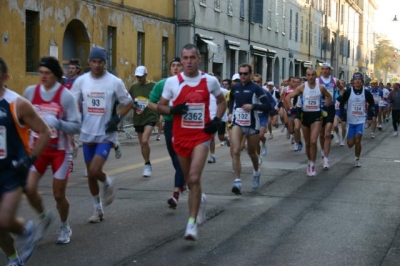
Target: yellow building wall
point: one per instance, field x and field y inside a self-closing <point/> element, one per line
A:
<point x="96" y="16"/>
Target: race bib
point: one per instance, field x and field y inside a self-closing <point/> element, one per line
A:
<point x="357" y="108"/>
<point x="337" y="105"/>
<point x="242" y="117"/>
<point x="141" y="103"/>
<point x="3" y="142"/>
<point x="377" y="98"/>
<point x="382" y="103"/>
<point x="47" y="109"/>
<point x="311" y="103"/>
<point x="330" y="90"/>
<point x="96" y="102"/>
<point x="194" y="118"/>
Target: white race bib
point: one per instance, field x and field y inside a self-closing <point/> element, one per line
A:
<point x="312" y="103"/>
<point x="337" y="105"/>
<point x="242" y="117"/>
<point x="96" y="102"/>
<point x="377" y="98"/>
<point x="357" y="108"/>
<point x="141" y="105"/>
<point x="3" y="142"/>
<point x="194" y="118"/>
<point x="46" y="109"/>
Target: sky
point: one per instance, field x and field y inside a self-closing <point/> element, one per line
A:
<point x="383" y="20"/>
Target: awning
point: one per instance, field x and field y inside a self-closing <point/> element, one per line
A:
<point x="307" y="63"/>
<point x="298" y="60"/>
<point x="212" y="46"/>
<point x="256" y="50"/>
<point x="233" y="47"/>
<point x="271" y="51"/>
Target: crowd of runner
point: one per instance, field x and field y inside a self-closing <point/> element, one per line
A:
<point x="37" y="130"/>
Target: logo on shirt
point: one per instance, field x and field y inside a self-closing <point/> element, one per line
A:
<point x="3" y="113"/>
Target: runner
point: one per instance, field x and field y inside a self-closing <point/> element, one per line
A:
<point x="339" y="92"/>
<point x="144" y="119"/>
<point x="17" y="117"/>
<point x="273" y="114"/>
<point x="377" y="95"/>
<point x="99" y="90"/>
<point x="394" y="100"/>
<point x="56" y="105"/>
<point x="155" y="95"/>
<point x="246" y="99"/>
<point x="357" y="98"/>
<point x="311" y="114"/>
<point x="189" y="92"/>
<point x="263" y="117"/>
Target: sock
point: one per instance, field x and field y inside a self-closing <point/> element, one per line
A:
<point x="147" y="163"/>
<point x="238" y="179"/>
<point x="212" y="154"/>
<point x="322" y="153"/>
<point x="312" y="164"/>
<point x="64" y="224"/>
<point x="96" y="200"/>
<point x="192" y="220"/>
<point x="98" y="206"/>
<point x="13" y="256"/>
<point x="255" y="173"/>
<point x="107" y="182"/>
<point x="176" y="195"/>
<point x="357" y="158"/>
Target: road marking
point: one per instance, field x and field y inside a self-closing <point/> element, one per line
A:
<point x="135" y="166"/>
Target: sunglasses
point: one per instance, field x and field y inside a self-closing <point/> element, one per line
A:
<point x="243" y="73"/>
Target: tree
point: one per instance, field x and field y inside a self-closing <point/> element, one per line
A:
<point x="385" y="57"/>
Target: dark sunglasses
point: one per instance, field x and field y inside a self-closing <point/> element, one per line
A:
<point x="243" y="73"/>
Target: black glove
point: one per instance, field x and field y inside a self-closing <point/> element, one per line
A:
<point x="212" y="126"/>
<point x="179" y="109"/>
<point x="343" y="116"/>
<point x="24" y="164"/>
<point x="324" y="108"/>
<point x="372" y="111"/>
<point x="292" y="111"/>
<point x="280" y="104"/>
<point x="112" y="125"/>
<point x="135" y="105"/>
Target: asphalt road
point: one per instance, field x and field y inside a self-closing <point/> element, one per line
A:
<point x="344" y="216"/>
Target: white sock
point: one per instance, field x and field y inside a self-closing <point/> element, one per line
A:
<point x="107" y="182"/>
<point x="96" y="199"/>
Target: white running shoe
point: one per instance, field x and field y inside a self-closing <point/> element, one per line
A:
<point x="395" y="134"/>
<point x="260" y="159"/>
<point x="15" y="262"/>
<point x="357" y="163"/>
<point x="295" y="146"/>
<point x="42" y="229"/>
<point x="147" y="170"/>
<point x="264" y="149"/>
<point x="201" y="215"/>
<point x="97" y="216"/>
<point x="287" y="135"/>
<point x="118" y="151"/>
<point x="325" y="164"/>
<point x="211" y="159"/>
<point x="372" y="135"/>
<point x="342" y="142"/>
<point x="270" y="136"/>
<point x="191" y="232"/>
<point x="256" y="181"/>
<point x="338" y="139"/>
<point x="64" y="234"/>
<point x="283" y="129"/>
<point x="109" y="193"/>
<point x="28" y="243"/>
<point x="312" y="171"/>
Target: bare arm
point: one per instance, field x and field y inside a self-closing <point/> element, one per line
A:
<point x="29" y="117"/>
<point x="162" y="106"/>
<point x="328" y="96"/>
<point x="221" y="105"/>
<point x="298" y="91"/>
<point x="125" y="109"/>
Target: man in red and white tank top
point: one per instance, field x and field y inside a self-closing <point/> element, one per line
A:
<point x="58" y="108"/>
<point x="193" y="127"/>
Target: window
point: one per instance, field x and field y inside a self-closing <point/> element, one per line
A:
<point x="296" y="29"/>
<point x="269" y="18"/>
<point x="341" y="14"/>
<point x="307" y="30"/>
<point x="140" y="49"/>
<point x="301" y="29"/>
<point x="230" y="7"/>
<point x="32" y="39"/>
<point x="256" y="11"/>
<point x="283" y="16"/>
<point x="290" y="23"/>
<point x="164" y="60"/>
<point x="277" y="14"/>
<point x="241" y="14"/>
<point x="111" y="48"/>
<point x="217" y="5"/>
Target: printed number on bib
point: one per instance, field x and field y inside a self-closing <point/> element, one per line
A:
<point x="194" y="118"/>
<point x="3" y="142"/>
<point x="377" y="98"/>
<point x="311" y="103"/>
<point x="337" y="105"/>
<point x="47" y="109"/>
<point x="357" y="108"/>
<point x="242" y="117"/>
<point x="96" y="103"/>
<point x="141" y="105"/>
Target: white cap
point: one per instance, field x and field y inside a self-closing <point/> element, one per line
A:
<point x="140" y="71"/>
<point x="235" y="76"/>
<point x="270" y="83"/>
<point x="326" y="64"/>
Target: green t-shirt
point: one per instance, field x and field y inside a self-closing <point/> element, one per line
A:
<point x="155" y="96"/>
<point x="143" y="114"/>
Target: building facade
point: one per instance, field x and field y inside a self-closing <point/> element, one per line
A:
<point x="133" y="32"/>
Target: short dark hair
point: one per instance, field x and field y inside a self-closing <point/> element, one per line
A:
<point x="258" y="76"/>
<point x="248" y="66"/>
<point x="191" y="46"/>
<point x="227" y="80"/>
<point x="3" y="66"/>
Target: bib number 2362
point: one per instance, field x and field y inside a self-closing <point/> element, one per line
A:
<point x="194" y="118"/>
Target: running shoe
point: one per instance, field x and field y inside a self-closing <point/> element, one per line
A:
<point x="109" y="193"/>
<point x="211" y="159"/>
<point x="308" y="170"/>
<point x="97" y="216"/>
<point x="43" y="227"/>
<point x="332" y="135"/>
<point x="325" y="164"/>
<point x="201" y="215"/>
<point x="283" y="129"/>
<point x="372" y="135"/>
<point x="312" y="171"/>
<point x="270" y="136"/>
<point x="379" y="127"/>
<point x="64" y="234"/>
<point x="276" y="125"/>
<point x="338" y="139"/>
<point x="147" y="170"/>
<point x="395" y="134"/>
<point x="256" y="181"/>
<point x="118" y="151"/>
<point x="28" y="243"/>
<point x="173" y="201"/>
<point x="158" y="137"/>
<point x="287" y="135"/>
<point x="71" y="168"/>
<point x="237" y="186"/>
<point x="342" y="143"/>
<point x="228" y="143"/>
<point x="75" y="152"/>
<point x="263" y="149"/>
<point x="15" y="262"/>
<point x="299" y="146"/>
<point x="260" y="159"/>
<point x="357" y="163"/>
<point x="295" y="147"/>
<point x="191" y="232"/>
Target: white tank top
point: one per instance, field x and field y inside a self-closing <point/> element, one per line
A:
<point x="356" y="112"/>
<point x="311" y="98"/>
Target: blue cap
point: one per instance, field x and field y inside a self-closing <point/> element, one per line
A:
<point x="98" y="52"/>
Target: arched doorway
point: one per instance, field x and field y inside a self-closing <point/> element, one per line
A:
<point x="276" y="80"/>
<point x="291" y="68"/>
<point x="76" y="43"/>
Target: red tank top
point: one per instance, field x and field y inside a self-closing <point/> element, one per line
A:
<point x="52" y="107"/>
<point x="190" y="126"/>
